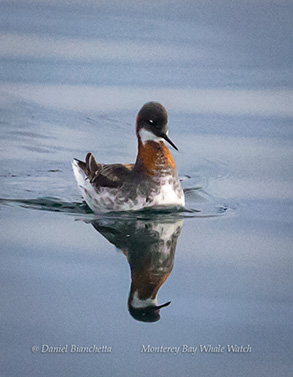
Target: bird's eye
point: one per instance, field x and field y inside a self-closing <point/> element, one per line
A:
<point x="154" y="123"/>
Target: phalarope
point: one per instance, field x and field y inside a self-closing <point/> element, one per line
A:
<point x="151" y="182"/>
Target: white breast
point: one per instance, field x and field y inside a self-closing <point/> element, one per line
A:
<point x="168" y="195"/>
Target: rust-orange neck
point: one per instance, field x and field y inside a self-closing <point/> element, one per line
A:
<point x="154" y="157"/>
<point x="146" y="284"/>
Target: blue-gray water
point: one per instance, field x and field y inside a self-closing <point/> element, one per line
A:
<point x="72" y="77"/>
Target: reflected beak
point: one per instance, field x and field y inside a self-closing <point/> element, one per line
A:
<point x="164" y="136"/>
<point x="162" y="306"/>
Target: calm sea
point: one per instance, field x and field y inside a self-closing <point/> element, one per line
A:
<point x="73" y="75"/>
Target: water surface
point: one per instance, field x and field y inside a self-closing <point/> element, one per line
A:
<point x="73" y="77"/>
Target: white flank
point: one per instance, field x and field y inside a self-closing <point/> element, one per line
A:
<point x="87" y="190"/>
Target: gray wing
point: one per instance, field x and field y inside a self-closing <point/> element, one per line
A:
<point x="103" y="175"/>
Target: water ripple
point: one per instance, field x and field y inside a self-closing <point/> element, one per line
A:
<point x="53" y="204"/>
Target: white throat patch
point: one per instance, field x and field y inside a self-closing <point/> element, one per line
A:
<point x="146" y="135"/>
<point x="137" y="303"/>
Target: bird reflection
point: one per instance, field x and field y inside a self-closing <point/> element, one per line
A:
<point x="149" y="246"/>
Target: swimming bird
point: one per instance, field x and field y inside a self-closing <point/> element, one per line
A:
<point x="151" y="182"/>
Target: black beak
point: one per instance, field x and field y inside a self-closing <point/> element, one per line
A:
<point x="162" y="306"/>
<point x="164" y="136"/>
<point x="148" y="314"/>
